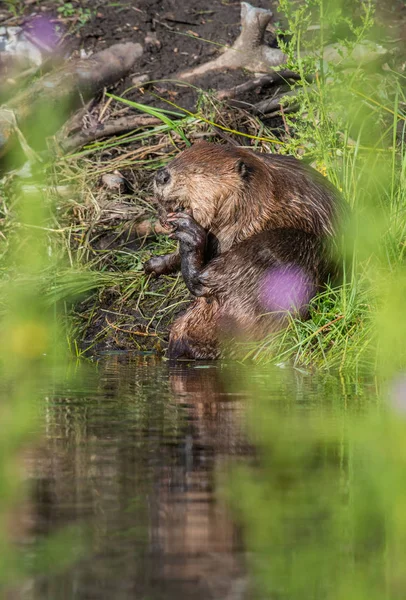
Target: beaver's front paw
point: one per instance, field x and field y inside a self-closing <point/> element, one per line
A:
<point x="190" y="234"/>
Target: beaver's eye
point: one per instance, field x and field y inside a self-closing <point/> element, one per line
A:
<point x="162" y="177"/>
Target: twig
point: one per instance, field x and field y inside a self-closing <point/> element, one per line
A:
<point x="101" y="130"/>
<point x="270" y="104"/>
<point x="288" y="109"/>
<point x="259" y="82"/>
<point x="103" y="110"/>
<point x="75" y="122"/>
<point x="284" y="121"/>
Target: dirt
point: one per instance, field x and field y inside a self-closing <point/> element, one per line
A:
<point x="176" y="35"/>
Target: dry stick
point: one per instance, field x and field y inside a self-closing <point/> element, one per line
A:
<point x="285" y="123"/>
<point x="258" y="82"/>
<point x="270" y="104"/>
<point x="119" y="126"/>
<point x="56" y="89"/>
<point x="283" y="110"/>
<point x="75" y="122"/>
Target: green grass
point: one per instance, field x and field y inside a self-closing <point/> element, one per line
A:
<point x="350" y="126"/>
<point x="338" y="334"/>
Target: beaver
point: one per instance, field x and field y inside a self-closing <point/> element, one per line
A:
<point x="254" y="232"/>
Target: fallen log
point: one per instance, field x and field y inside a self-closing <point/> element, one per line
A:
<point x="58" y="92"/>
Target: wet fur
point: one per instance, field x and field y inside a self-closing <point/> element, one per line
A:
<point x="258" y="211"/>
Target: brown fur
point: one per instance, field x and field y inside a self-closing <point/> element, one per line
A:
<point x="273" y="191"/>
<point x="259" y="211"/>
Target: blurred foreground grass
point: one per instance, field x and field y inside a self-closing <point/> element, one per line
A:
<point x="33" y="358"/>
<point x="322" y="506"/>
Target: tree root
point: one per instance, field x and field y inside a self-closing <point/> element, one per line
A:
<point x="248" y="51"/>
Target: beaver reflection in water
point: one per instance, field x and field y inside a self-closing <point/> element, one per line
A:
<point x="254" y="235"/>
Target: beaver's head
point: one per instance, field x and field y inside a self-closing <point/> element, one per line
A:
<point x="204" y="180"/>
<point x="235" y="193"/>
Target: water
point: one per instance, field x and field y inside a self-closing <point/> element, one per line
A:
<point x="157" y="481"/>
<point x="130" y="457"/>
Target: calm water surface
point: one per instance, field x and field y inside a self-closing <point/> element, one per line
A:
<point x="132" y="457"/>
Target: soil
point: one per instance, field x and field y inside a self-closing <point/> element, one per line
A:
<point x="176" y="35"/>
<point x="186" y="34"/>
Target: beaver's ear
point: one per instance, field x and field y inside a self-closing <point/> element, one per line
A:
<point x="243" y="169"/>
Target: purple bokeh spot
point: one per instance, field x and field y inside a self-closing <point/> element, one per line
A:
<point x="43" y="32"/>
<point x="398" y="394"/>
<point x="285" y="288"/>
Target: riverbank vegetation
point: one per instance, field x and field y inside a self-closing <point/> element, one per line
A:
<point x="346" y="118"/>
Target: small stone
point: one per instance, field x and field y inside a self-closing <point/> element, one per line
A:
<point x="139" y="79"/>
<point x="151" y="42"/>
<point x="114" y="181"/>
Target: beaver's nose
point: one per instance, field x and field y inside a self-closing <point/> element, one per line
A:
<point x="162" y="177"/>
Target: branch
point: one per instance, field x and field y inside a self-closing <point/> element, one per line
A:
<point x="258" y="82"/>
<point x="271" y="104"/>
<point x="101" y="130"/>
